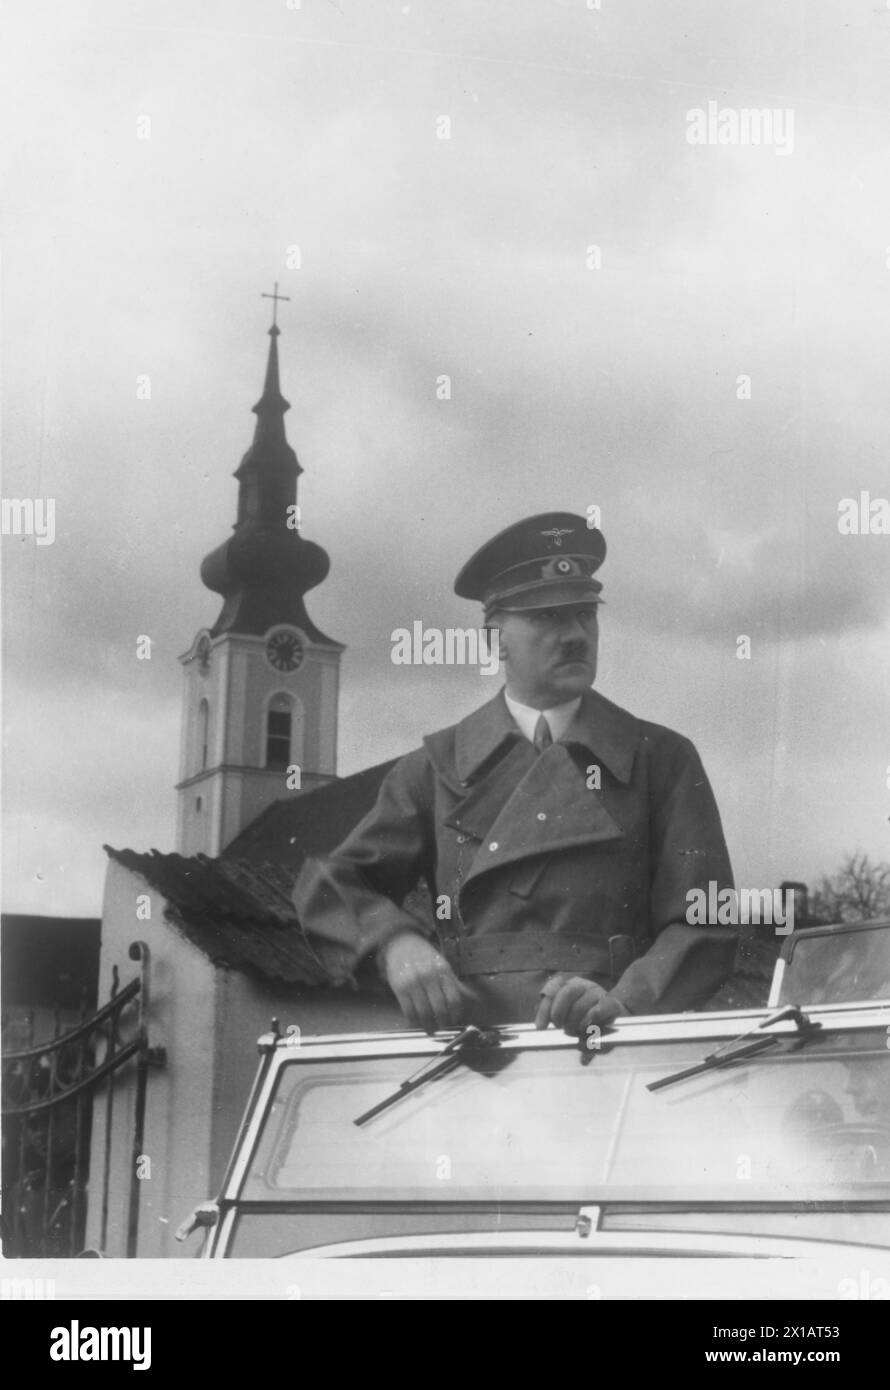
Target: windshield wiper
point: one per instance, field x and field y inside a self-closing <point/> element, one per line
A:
<point x="737" y="1048"/>
<point x="453" y="1054"/>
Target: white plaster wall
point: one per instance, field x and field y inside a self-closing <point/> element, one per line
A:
<point x="236" y="656"/>
<point x="208" y="1018"/>
<point x="329" y="713"/>
<point x="178" y="1119"/>
<point x="238" y="687"/>
<point x="197" y="831"/>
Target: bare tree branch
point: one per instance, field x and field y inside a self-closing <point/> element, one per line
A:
<point x="856" y="892"/>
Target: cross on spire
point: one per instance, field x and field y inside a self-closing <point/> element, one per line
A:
<point x="276" y="296"/>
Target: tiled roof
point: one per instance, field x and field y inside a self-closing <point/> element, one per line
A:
<point x="300" y="827"/>
<point x="236" y="915"/>
<point x="237" y="909"/>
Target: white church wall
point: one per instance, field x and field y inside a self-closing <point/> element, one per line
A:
<point x="207" y="1018"/>
<point x="232" y="656"/>
<point x="217" y="800"/>
<point x="328" y="708"/>
<point x="199" y="817"/>
<point x="179" y="1099"/>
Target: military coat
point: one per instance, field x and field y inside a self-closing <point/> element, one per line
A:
<point x="577" y="859"/>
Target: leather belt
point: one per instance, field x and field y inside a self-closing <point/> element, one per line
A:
<point x="498" y="953"/>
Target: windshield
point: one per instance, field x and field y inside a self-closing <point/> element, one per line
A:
<point x="786" y="1126"/>
<point x="831" y="966"/>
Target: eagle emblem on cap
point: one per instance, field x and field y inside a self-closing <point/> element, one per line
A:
<point x="557" y="534"/>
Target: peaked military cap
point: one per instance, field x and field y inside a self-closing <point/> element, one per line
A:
<point x="545" y="561"/>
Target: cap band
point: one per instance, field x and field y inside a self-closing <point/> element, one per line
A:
<point x="544" y="596"/>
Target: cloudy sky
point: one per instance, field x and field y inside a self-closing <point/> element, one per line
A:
<point x="273" y="124"/>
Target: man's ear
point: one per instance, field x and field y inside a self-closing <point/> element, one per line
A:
<point x="494" y="627"/>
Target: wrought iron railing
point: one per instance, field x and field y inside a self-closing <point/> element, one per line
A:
<point x="49" y="1100"/>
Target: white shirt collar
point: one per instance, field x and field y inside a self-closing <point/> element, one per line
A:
<point x="559" y="717"/>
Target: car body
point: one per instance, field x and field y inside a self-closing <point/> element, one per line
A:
<point x="529" y="1143"/>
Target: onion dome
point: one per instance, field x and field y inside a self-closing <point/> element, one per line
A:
<point x="266" y="567"/>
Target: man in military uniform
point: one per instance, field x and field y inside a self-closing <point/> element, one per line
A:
<point x="558" y="834"/>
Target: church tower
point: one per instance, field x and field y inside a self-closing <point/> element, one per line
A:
<point x="262" y="684"/>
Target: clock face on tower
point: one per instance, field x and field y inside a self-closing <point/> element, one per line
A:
<point x="284" y="649"/>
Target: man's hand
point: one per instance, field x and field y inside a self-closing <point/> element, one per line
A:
<point x="427" y="989"/>
<point x="602" y="1014"/>
<point x="572" y="1003"/>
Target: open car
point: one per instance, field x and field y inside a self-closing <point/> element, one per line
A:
<point x="758" y="1133"/>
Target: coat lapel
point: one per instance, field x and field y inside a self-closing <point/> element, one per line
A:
<point x="610" y="733"/>
<point x="462" y="753"/>
<point x="480" y="808"/>
<point x="525" y="804"/>
<point x="550" y="809"/>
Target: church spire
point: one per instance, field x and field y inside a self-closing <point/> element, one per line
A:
<point x="269" y="437"/>
<point x="271" y="407"/>
<point x="266" y="567"/>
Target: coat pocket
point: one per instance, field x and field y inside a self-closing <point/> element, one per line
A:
<point x="528" y="874"/>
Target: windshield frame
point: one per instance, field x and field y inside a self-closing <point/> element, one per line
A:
<point x="800" y="939"/>
<point x="703" y="1029"/>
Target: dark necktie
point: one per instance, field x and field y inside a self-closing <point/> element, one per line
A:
<point x="543" y="737"/>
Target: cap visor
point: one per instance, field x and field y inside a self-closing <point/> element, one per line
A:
<point x="552" y="596"/>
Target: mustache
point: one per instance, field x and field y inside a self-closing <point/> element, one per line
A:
<point x="574" y="651"/>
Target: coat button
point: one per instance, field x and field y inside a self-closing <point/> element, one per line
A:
<point x="462" y="839"/>
<point x="542" y="815"/>
<point x="493" y="846"/>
